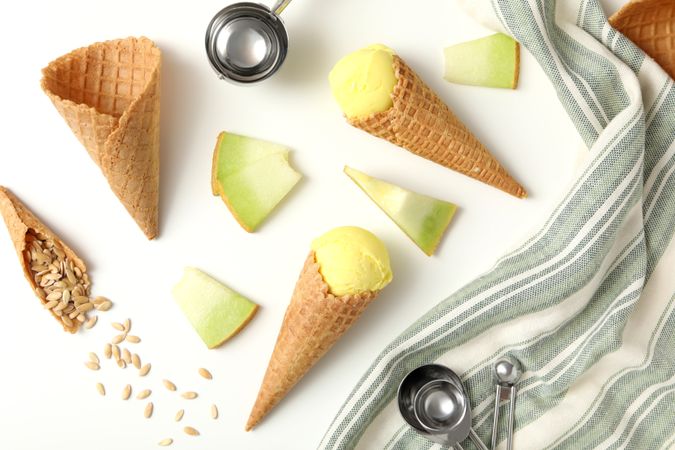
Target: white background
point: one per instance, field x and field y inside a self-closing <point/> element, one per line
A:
<point x="49" y="400"/>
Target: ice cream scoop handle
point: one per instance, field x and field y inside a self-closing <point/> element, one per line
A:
<point x="476" y="440"/>
<point x="279" y="6"/>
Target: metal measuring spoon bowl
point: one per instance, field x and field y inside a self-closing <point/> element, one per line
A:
<point x="247" y="42"/>
<point x="432" y="400"/>
<point x="506" y="372"/>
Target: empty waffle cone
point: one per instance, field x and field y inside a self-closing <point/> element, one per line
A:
<point x="19" y="221"/>
<point x="109" y="93"/>
<point x="650" y="24"/>
<point x="314" y="321"/>
<point x="421" y="123"/>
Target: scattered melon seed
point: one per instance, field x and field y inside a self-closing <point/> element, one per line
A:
<point x="214" y="412"/>
<point x="104" y="306"/>
<point x="100" y="388"/>
<point x="144" y="394"/>
<point x="127" y="325"/>
<point x="191" y="431"/>
<point x="133" y="339"/>
<point x="165" y="442"/>
<point x="92" y="365"/>
<point x="169" y="385"/>
<point x="115" y="351"/>
<point x="121" y="364"/>
<point x="189" y="395"/>
<point x="144" y="370"/>
<point x="117" y="339"/>
<point x="107" y="350"/>
<point x="179" y="415"/>
<point x="94" y="358"/>
<point x="205" y="373"/>
<point x="99" y="299"/>
<point x="91" y="322"/>
<point x="102" y="303"/>
<point x="126" y="355"/>
<point x="126" y="392"/>
<point x="148" y="410"/>
<point x="118" y="326"/>
<point x="136" y="361"/>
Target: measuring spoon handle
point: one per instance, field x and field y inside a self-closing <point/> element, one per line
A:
<point x="279" y="6"/>
<point x="476" y="440"/>
<point x="512" y="418"/>
<point x="495" y="418"/>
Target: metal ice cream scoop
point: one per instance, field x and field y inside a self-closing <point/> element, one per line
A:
<point x="247" y="42"/>
<point x="433" y="401"/>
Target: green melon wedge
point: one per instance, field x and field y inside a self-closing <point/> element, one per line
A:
<point x="215" y="311"/>
<point x="492" y="61"/>
<point x="424" y="219"/>
<point x="252" y="177"/>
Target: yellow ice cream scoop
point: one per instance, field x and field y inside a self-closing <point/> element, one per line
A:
<point x="363" y="81"/>
<point x="352" y="260"/>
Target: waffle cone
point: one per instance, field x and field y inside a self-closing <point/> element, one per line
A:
<point x="19" y="220"/>
<point x="314" y="321"/>
<point x="109" y="93"/>
<point x="421" y="123"/>
<point x="650" y="24"/>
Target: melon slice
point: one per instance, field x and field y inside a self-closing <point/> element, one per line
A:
<point x="424" y="219"/>
<point x="215" y="311"/>
<point x="492" y="61"/>
<point x="252" y="176"/>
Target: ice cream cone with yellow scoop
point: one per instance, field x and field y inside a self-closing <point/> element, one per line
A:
<point x="345" y="270"/>
<point x="379" y="93"/>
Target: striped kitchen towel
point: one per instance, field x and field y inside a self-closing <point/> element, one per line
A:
<point x="587" y="304"/>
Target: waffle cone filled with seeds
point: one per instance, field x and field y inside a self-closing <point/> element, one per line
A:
<point x="56" y="274"/>
<point x="109" y="95"/>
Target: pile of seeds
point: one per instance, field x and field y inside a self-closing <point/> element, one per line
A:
<point x="60" y="284"/>
<point x="124" y="358"/>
